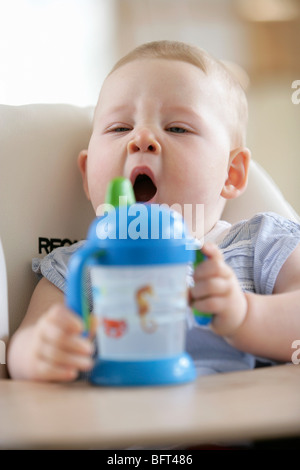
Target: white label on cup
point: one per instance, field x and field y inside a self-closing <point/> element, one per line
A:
<point x="141" y="310"/>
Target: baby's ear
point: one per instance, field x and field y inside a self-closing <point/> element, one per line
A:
<point x="237" y="176"/>
<point x="82" y="160"/>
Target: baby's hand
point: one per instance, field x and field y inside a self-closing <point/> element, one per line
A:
<point x="217" y="291"/>
<point x="57" y="350"/>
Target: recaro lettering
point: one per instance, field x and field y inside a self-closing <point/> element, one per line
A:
<point x="46" y="245"/>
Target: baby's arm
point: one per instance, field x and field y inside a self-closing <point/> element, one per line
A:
<point x="48" y="345"/>
<point x="264" y="325"/>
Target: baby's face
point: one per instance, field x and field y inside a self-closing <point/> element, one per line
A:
<point x="162" y="124"/>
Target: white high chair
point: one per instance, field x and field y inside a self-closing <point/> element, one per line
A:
<point x="42" y="203"/>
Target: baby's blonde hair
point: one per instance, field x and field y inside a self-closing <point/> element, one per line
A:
<point x="175" y="50"/>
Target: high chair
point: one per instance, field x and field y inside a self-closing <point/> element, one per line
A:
<point x="42" y="203"/>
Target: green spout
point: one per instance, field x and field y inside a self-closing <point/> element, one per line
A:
<point x="120" y="192"/>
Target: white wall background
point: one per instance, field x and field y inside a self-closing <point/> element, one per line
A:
<point x="54" y="50"/>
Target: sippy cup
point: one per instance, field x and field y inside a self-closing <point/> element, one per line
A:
<point x="137" y="256"/>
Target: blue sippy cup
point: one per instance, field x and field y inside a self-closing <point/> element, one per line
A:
<point x="138" y="256"/>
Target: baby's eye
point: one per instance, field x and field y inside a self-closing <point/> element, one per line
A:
<point x="177" y="129"/>
<point x="120" y="129"/>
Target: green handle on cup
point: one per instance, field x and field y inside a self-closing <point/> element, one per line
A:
<point x="200" y="317"/>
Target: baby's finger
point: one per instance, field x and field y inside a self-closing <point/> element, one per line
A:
<point x="211" y="250"/>
<point x="65" y="319"/>
<point x="213" y="286"/>
<point x="65" y="341"/>
<point x="212" y="267"/>
<point x="57" y="357"/>
<point x="46" y="371"/>
<point x="209" y="304"/>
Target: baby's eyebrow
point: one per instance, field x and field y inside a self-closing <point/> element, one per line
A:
<point x="173" y="111"/>
<point x="118" y="109"/>
<point x="184" y="112"/>
<point x="179" y="108"/>
<point x="111" y="113"/>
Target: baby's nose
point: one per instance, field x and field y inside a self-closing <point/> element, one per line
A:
<point x="144" y="141"/>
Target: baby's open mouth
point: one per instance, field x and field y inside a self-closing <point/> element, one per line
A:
<point x="144" y="188"/>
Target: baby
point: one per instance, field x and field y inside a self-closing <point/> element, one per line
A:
<point x="173" y="120"/>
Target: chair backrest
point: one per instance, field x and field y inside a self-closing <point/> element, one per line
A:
<point x="42" y="203"/>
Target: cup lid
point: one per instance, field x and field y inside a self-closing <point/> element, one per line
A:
<point x="139" y="233"/>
